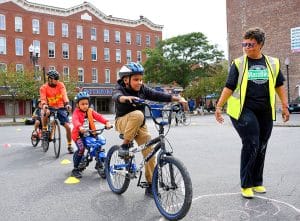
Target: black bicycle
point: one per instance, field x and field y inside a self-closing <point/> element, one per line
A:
<point x="53" y="134"/>
<point x="171" y="182"/>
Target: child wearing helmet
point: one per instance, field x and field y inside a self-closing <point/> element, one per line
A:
<point x="37" y="117"/>
<point x="130" y="119"/>
<point x="83" y="120"/>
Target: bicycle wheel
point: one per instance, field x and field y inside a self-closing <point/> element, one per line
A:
<point x="45" y="141"/>
<point x="172" y="188"/>
<point x="186" y="119"/>
<point x="55" y="138"/>
<point x="116" y="171"/>
<point x="34" y="138"/>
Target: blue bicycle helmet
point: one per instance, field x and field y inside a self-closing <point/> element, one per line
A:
<point x="131" y="69"/>
<point x="53" y="74"/>
<point x="82" y="95"/>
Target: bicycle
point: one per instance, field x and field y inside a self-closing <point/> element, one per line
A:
<point x="171" y="182"/>
<point x="93" y="141"/>
<point x="53" y="134"/>
<point x="180" y="116"/>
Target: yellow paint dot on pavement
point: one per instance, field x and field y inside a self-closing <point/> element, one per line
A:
<point x="72" y="180"/>
<point x="19" y="129"/>
<point x="65" y="161"/>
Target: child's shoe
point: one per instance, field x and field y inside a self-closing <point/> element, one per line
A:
<point x="247" y="193"/>
<point x="259" y="189"/>
<point x="76" y="173"/>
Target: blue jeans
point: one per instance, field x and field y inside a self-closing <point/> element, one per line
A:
<point x="254" y="130"/>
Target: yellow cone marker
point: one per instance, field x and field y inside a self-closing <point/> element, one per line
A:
<point x="72" y="180"/>
<point x="65" y="161"/>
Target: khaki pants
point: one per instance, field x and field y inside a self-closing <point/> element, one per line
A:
<point x="130" y="126"/>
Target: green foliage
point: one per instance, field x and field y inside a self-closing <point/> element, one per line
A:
<point x="180" y="59"/>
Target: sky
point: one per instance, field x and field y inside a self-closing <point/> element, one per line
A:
<point x="178" y="17"/>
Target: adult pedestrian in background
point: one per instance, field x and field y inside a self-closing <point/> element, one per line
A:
<point x="250" y="90"/>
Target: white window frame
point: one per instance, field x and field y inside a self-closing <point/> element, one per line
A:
<point x="106" y="35"/>
<point x="19" y="68"/>
<point x="139" y="56"/>
<point x="117" y="37"/>
<point x="93" y="34"/>
<point x="2" y="22"/>
<point x="2" y="45"/>
<point x="79" y="52"/>
<point x="148" y="40"/>
<point x="66" y="74"/>
<point x="94" y="55"/>
<point x="80" y="72"/>
<point x="65" y="30"/>
<point x="35" y="26"/>
<point x="118" y="56"/>
<point x="94" y="75"/>
<point x="51" y="49"/>
<point x="19" y="46"/>
<point x="128" y="56"/>
<point x="128" y="38"/>
<point x="79" y="32"/>
<point x="138" y="39"/>
<point x="3" y="67"/>
<point x="65" y="50"/>
<point x="51" y="28"/>
<point x="18" y="24"/>
<point x="37" y="44"/>
<point x="107" y="76"/>
<point x="106" y="54"/>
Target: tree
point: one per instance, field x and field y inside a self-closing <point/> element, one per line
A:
<point x="180" y="59"/>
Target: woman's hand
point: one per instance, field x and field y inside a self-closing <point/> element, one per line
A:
<point x="285" y="114"/>
<point x="218" y="115"/>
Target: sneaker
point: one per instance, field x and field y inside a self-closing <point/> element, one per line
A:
<point x="148" y="191"/>
<point x="70" y="150"/>
<point x="76" y="173"/>
<point x="259" y="189"/>
<point x="247" y="193"/>
<point x="124" y="151"/>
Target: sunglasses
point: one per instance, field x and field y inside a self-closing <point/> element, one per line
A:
<point x="248" y="45"/>
<point x="55" y="78"/>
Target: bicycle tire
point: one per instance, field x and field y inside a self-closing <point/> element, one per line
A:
<point x="56" y="138"/>
<point x="187" y="119"/>
<point x="117" y="182"/>
<point x="45" y="143"/>
<point x="165" y="191"/>
<point x="34" y="139"/>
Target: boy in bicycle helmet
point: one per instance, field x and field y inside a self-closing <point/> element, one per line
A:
<point x="130" y="119"/>
<point x="37" y="117"/>
<point x="53" y="95"/>
<point x="83" y="119"/>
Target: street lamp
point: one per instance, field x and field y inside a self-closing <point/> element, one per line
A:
<point x="287" y="63"/>
<point x="34" y="52"/>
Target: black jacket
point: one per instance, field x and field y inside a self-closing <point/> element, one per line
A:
<point x="145" y="93"/>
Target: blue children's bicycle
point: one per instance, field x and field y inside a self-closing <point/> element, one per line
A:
<point x="94" y="143"/>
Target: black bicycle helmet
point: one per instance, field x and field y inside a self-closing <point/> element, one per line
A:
<point x="53" y="74"/>
<point x="131" y="69"/>
<point x="81" y="95"/>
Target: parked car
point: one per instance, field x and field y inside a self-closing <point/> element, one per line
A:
<point x="294" y="106"/>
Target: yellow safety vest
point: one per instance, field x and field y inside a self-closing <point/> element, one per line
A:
<point x="236" y="101"/>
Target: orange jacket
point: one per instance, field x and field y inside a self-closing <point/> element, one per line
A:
<point x="55" y="97"/>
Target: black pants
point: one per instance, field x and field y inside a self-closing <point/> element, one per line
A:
<point x="254" y="130"/>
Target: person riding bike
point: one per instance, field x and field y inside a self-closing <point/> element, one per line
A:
<point x="130" y="118"/>
<point x="53" y="95"/>
<point x="83" y="119"/>
<point x="37" y="117"/>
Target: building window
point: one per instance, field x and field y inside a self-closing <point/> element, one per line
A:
<point x="80" y="75"/>
<point x="139" y="56"/>
<point x="128" y="56"/>
<point x="35" y="26"/>
<point x="106" y="35"/>
<point x="37" y="44"/>
<point x="65" y="30"/>
<point x="2" y="22"/>
<point x="138" y="39"/>
<point x="66" y="74"/>
<point x="94" y="53"/>
<point x="118" y="55"/>
<point x="19" y="46"/>
<point x="65" y="50"/>
<point x="2" y="45"/>
<point x="51" y="49"/>
<point x="93" y="34"/>
<point x="18" y="24"/>
<point x="79" y="31"/>
<point x="128" y="38"/>
<point x="19" y="68"/>
<point x="118" y="73"/>
<point x="156" y="40"/>
<point x="3" y="67"/>
<point x="51" y="28"/>
<point x="107" y="76"/>
<point x="117" y="37"/>
<point x="79" y="52"/>
<point x="106" y="54"/>
<point x="51" y="68"/>
<point x="148" y="42"/>
<point x="94" y="75"/>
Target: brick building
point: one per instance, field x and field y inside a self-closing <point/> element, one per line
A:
<point x="80" y="40"/>
<point x="281" y="21"/>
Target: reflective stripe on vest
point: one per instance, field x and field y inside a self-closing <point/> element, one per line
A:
<point x="236" y="100"/>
